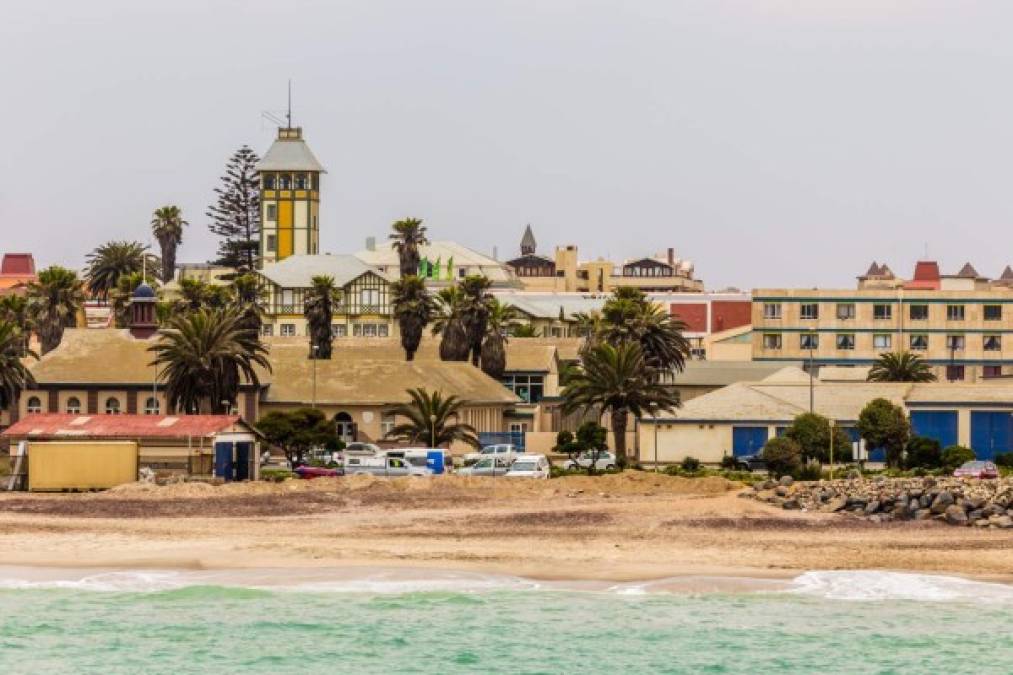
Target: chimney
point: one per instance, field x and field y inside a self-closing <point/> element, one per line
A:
<point x="671" y="256"/>
<point x="495" y="253"/>
<point x="370" y="243"/>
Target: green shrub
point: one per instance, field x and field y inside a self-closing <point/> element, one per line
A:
<point x="276" y="475"/>
<point x="955" y="455"/>
<point x="923" y="452"/>
<point x="808" y="472"/>
<point x="782" y="455"/>
<point x="1004" y="459"/>
<point x="672" y="470"/>
<point x="729" y="462"/>
<point x="690" y="465"/>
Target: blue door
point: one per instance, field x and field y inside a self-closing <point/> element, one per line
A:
<point x="990" y="434"/>
<point x="223" y="460"/>
<point x="940" y="425"/>
<point x="748" y="440"/>
<point x="243" y="460"/>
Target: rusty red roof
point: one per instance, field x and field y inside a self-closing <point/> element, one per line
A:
<point x="18" y="264"/>
<point x="63" y="425"/>
<point x="926" y="276"/>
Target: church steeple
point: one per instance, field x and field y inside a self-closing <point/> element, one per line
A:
<point x="289" y="197"/>
<point x="528" y="243"/>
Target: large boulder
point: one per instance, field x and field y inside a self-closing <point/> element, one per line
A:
<point x="955" y="515"/>
<point x="786" y="480"/>
<point x="835" y="504"/>
<point x="942" y="502"/>
<point x="872" y="507"/>
<point x="1004" y="522"/>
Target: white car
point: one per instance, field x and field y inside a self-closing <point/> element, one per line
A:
<point x="606" y="461"/>
<point x="505" y="451"/>
<point x="529" y="466"/>
<point x="383" y="466"/>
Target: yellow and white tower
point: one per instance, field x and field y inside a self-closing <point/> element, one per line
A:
<point x="289" y="198"/>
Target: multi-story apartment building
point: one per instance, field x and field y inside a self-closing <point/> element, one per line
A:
<point x="961" y="324"/>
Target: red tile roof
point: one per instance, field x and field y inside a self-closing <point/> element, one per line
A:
<point x="926" y="276"/>
<point x="61" y="425"/>
<point x="19" y="264"/>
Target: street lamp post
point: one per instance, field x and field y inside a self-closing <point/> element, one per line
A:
<point x="812" y="397"/>
<point x="654" y="417"/>
<point x="432" y="431"/>
<point x="314" y="349"/>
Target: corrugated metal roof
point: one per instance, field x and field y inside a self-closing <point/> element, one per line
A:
<point x="297" y="271"/>
<point x="59" y="425"/>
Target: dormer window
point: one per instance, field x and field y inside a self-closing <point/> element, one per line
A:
<point x="269" y="181"/>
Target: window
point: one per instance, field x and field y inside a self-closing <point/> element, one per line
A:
<point x="919" y="312"/>
<point x="808" y="341"/>
<point x="992" y="343"/>
<point x="845" y="311"/>
<point x="772" y="310"/>
<point x="954" y="373"/>
<point x="882" y="312"/>
<point x="272" y="212"/>
<point x="112" y="406"/>
<point x="73" y="405"/>
<point x="34" y="405"/>
<point x="528" y="388"/>
<point x="955" y="343"/>
<point x="284" y="181"/>
<point x="882" y="341"/>
<point x="387" y="423"/>
<point x="382" y="330"/>
<point x="518" y="427"/>
<point x="267" y="330"/>
<point x="462" y="272"/>
<point x="993" y="312"/>
<point x="300" y="181"/>
<point x="845" y="340"/>
<point x="269" y="182"/>
<point x="991" y="371"/>
<point x="369" y="297"/>
<point x="954" y="312"/>
<point x="288" y="330"/>
<point x="772" y="341"/>
<point x="272" y="243"/>
<point x="919" y="342"/>
<point x="338" y="330"/>
<point x="809" y="310"/>
<point x="151" y="406"/>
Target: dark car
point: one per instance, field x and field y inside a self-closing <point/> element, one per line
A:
<point x="751" y="462"/>
<point x="309" y="472"/>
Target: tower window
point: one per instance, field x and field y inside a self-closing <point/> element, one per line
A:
<point x="272" y="243"/>
<point x="269" y="182"/>
<point x="272" y="212"/>
<point x="300" y="181"/>
<point x="284" y="182"/>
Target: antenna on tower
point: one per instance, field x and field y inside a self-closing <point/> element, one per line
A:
<point x="289" y="116"/>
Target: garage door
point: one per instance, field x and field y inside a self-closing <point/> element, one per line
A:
<point x="990" y="433"/>
<point x="938" y="424"/>
<point x="748" y="440"/>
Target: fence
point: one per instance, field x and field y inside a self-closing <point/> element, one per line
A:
<point x="496" y="437"/>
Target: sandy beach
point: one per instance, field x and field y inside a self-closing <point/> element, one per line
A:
<point x="627" y="527"/>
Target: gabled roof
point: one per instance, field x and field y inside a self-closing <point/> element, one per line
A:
<point x="968" y="272"/>
<point x="297" y="271"/>
<point x="60" y="425"/>
<point x="289" y="154"/>
<point x="1007" y="274"/>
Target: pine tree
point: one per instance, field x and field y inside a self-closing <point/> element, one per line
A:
<point x="235" y="217"/>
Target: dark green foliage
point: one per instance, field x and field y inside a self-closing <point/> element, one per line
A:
<point x="119" y="297"/>
<point x="729" y="462"/>
<point x="628" y="316"/>
<point x="167" y="225"/>
<point x="408" y="235"/>
<point x="782" y="455"/>
<point x="449" y="325"/>
<point x="494" y="344"/>
<point x="476" y="306"/>
<point x="54" y="301"/>
<point x="1004" y="459"/>
<point x="690" y="464"/>
<point x="900" y="367"/>
<point x="808" y="472"/>
<point x="235" y="215"/>
<point x="432" y="420"/>
<point x="812" y="432"/>
<point x="299" y="431"/>
<point x="413" y="308"/>
<point x="321" y="299"/>
<point x="884" y="425"/>
<point x="110" y="261"/>
<point x="955" y="455"/>
<point x="14" y="374"/>
<point x="923" y="452"/>
<point x="524" y="330"/>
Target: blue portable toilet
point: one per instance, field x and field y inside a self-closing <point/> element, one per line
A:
<point x="435" y="461"/>
<point x="224" y="465"/>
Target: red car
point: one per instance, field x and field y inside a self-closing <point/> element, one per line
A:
<point x="977" y="470"/>
<point x="309" y="472"/>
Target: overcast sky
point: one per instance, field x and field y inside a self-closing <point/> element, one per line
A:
<point x="773" y="142"/>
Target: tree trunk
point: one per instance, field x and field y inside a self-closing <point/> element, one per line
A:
<point x="619" y="420"/>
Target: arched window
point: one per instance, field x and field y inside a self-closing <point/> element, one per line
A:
<point x="151" y="406"/>
<point x="112" y="406"/>
<point x="34" y="405"/>
<point x="73" y="405"/>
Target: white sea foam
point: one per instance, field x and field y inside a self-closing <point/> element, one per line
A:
<point x="870" y="585"/>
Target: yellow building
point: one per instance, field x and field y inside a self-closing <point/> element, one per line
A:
<point x="289" y="198"/>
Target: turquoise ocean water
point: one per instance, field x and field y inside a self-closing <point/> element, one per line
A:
<point x="127" y="622"/>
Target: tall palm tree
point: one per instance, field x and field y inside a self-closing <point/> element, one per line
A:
<point x="449" y="325"/>
<point x="494" y="345"/>
<point x="14" y="309"/>
<point x="204" y="356"/>
<point x="14" y="374"/>
<point x="54" y="300"/>
<point x="110" y="260"/>
<point x="167" y="225"/>
<point x="408" y="235"/>
<point x="617" y="380"/>
<point x="319" y="311"/>
<point x="248" y="290"/>
<point x="628" y="316"/>
<point x="900" y="367"/>
<point x="475" y="313"/>
<point x="432" y="420"/>
<point x="413" y="308"/>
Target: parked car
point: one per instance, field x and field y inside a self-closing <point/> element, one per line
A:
<point x="310" y="472"/>
<point x="751" y="462"/>
<point x="487" y="466"/>
<point x="977" y="469"/>
<point x="506" y="450"/>
<point x="529" y="466"/>
<point x="383" y="466"/>
<point x="606" y="461"/>
<point x="437" y="460"/>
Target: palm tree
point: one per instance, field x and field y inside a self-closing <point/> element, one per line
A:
<point x="413" y="308"/>
<point x="409" y="234"/>
<point x="107" y="262"/>
<point x="475" y="313"/>
<point x="524" y="330"/>
<point x="617" y="380"/>
<point x="167" y="225"/>
<point x="53" y="303"/>
<point x="14" y="309"/>
<point x="319" y="311"/>
<point x="900" y="367"/>
<point x="248" y="291"/>
<point x="432" y="420"/>
<point x="628" y="316"/>
<point x="204" y="356"/>
<point x="494" y="345"/>
<point x="449" y="325"/>
<point x="14" y="374"/>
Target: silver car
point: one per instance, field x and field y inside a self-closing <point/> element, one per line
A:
<point x="606" y="461"/>
<point x="487" y="466"/>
